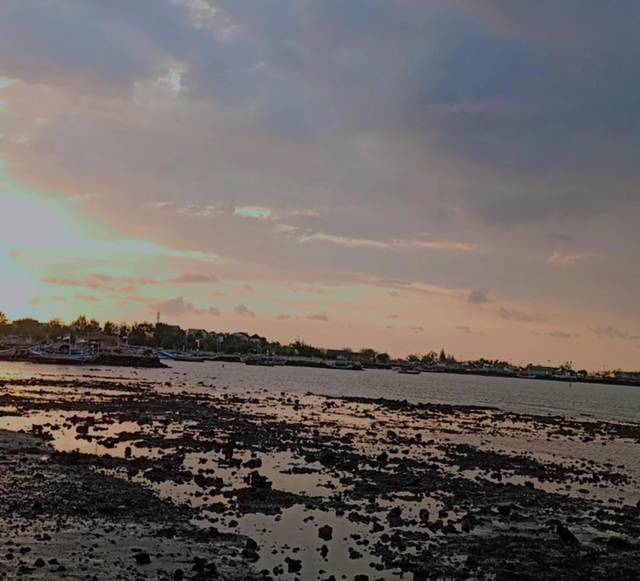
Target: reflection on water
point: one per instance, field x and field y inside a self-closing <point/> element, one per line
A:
<point x="611" y="402"/>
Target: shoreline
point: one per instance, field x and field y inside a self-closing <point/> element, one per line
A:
<point x="429" y="490"/>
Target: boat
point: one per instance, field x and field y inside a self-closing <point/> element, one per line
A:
<point x="39" y="355"/>
<point x="182" y="356"/>
<point x="8" y="354"/>
<point x="262" y="361"/>
<point x="409" y="371"/>
<point x="527" y="376"/>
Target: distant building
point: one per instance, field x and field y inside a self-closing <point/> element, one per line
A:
<point x="257" y="339"/>
<point x="541" y="371"/>
<point x="197" y="333"/>
<point x="342" y="354"/>
<point x="241" y="337"/>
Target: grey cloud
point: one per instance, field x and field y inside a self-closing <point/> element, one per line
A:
<point x="613" y="333"/>
<point x="393" y="316"/>
<point x="243" y="311"/>
<point x="417" y="329"/>
<point x="323" y="317"/>
<point x="283" y="317"/>
<point x="563" y="335"/>
<point x="195" y="278"/>
<point x="519" y="316"/>
<point x="178" y="307"/>
<point x="463" y="328"/>
<point x="560" y="237"/>
<point x="478" y="297"/>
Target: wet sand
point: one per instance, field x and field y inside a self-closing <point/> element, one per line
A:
<point x="323" y="487"/>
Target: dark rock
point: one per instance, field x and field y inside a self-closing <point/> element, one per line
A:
<point x="566" y="535"/>
<point x="293" y="565"/>
<point x="325" y="533"/>
<point x="142" y="558"/>
<point x="39" y="563"/>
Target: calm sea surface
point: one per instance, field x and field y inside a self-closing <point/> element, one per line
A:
<point x="608" y="402"/>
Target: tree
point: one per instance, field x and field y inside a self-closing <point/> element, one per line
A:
<point x="443" y="356"/>
<point x="383" y="358"/>
<point x="368" y="354"/>
<point x="3" y="319"/>
<point x="55" y="328"/>
<point x="80" y="325"/>
<point x="29" y="329"/>
<point x="110" y="329"/>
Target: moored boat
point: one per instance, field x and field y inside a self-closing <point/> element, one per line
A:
<point x="409" y="371"/>
<point x="261" y="361"/>
<point x="182" y="356"/>
<point x="8" y="354"/>
<point x="39" y="355"/>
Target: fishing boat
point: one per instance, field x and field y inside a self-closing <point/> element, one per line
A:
<point x="7" y="354"/>
<point x="262" y="361"/>
<point x="182" y="356"/>
<point x="409" y="371"/>
<point x="39" y="355"/>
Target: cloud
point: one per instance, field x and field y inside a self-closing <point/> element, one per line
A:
<point x="283" y="317"/>
<point x="178" y="307"/>
<point x="394" y="244"/>
<point x="323" y="317"/>
<point x="96" y="281"/>
<point x="248" y="288"/>
<point x="567" y="258"/>
<point x="417" y="329"/>
<point x="478" y="297"/>
<point x="218" y="295"/>
<point x="562" y="237"/>
<point x="393" y="316"/>
<point x="394" y="294"/>
<point x="613" y="333"/>
<point x="256" y="212"/>
<point x="563" y="335"/>
<point x="71" y="282"/>
<point x="195" y="278"/>
<point x="243" y="311"/>
<point x="85" y="297"/>
<point x="519" y="316"/>
<point x="464" y="329"/>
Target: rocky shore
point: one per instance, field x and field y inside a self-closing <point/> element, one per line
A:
<point x="127" y="479"/>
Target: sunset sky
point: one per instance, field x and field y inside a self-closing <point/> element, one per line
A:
<point x="398" y="174"/>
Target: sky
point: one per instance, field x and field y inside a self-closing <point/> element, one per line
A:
<point x="403" y="175"/>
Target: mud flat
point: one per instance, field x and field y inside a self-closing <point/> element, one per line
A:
<point x="291" y="487"/>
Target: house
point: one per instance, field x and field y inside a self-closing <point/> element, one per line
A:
<point x="338" y="354"/>
<point x="541" y="370"/>
<point x="257" y="339"/>
<point x="198" y="333"/>
<point x="241" y="337"/>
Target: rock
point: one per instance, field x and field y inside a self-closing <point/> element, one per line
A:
<point x="619" y="544"/>
<point x="142" y="558"/>
<point x="256" y="480"/>
<point x="325" y="533"/>
<point x="178" y="575"/>
<point x="353" y="554"/>
<point x="324" y="551"/>
<point x="39" y="563"/>
<point x="361" y="578"/>
<point x="251" y="545"/>
<point x="127" y="452"/>
<point x="566" y="535"/>
<point x="293" y="565"/>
